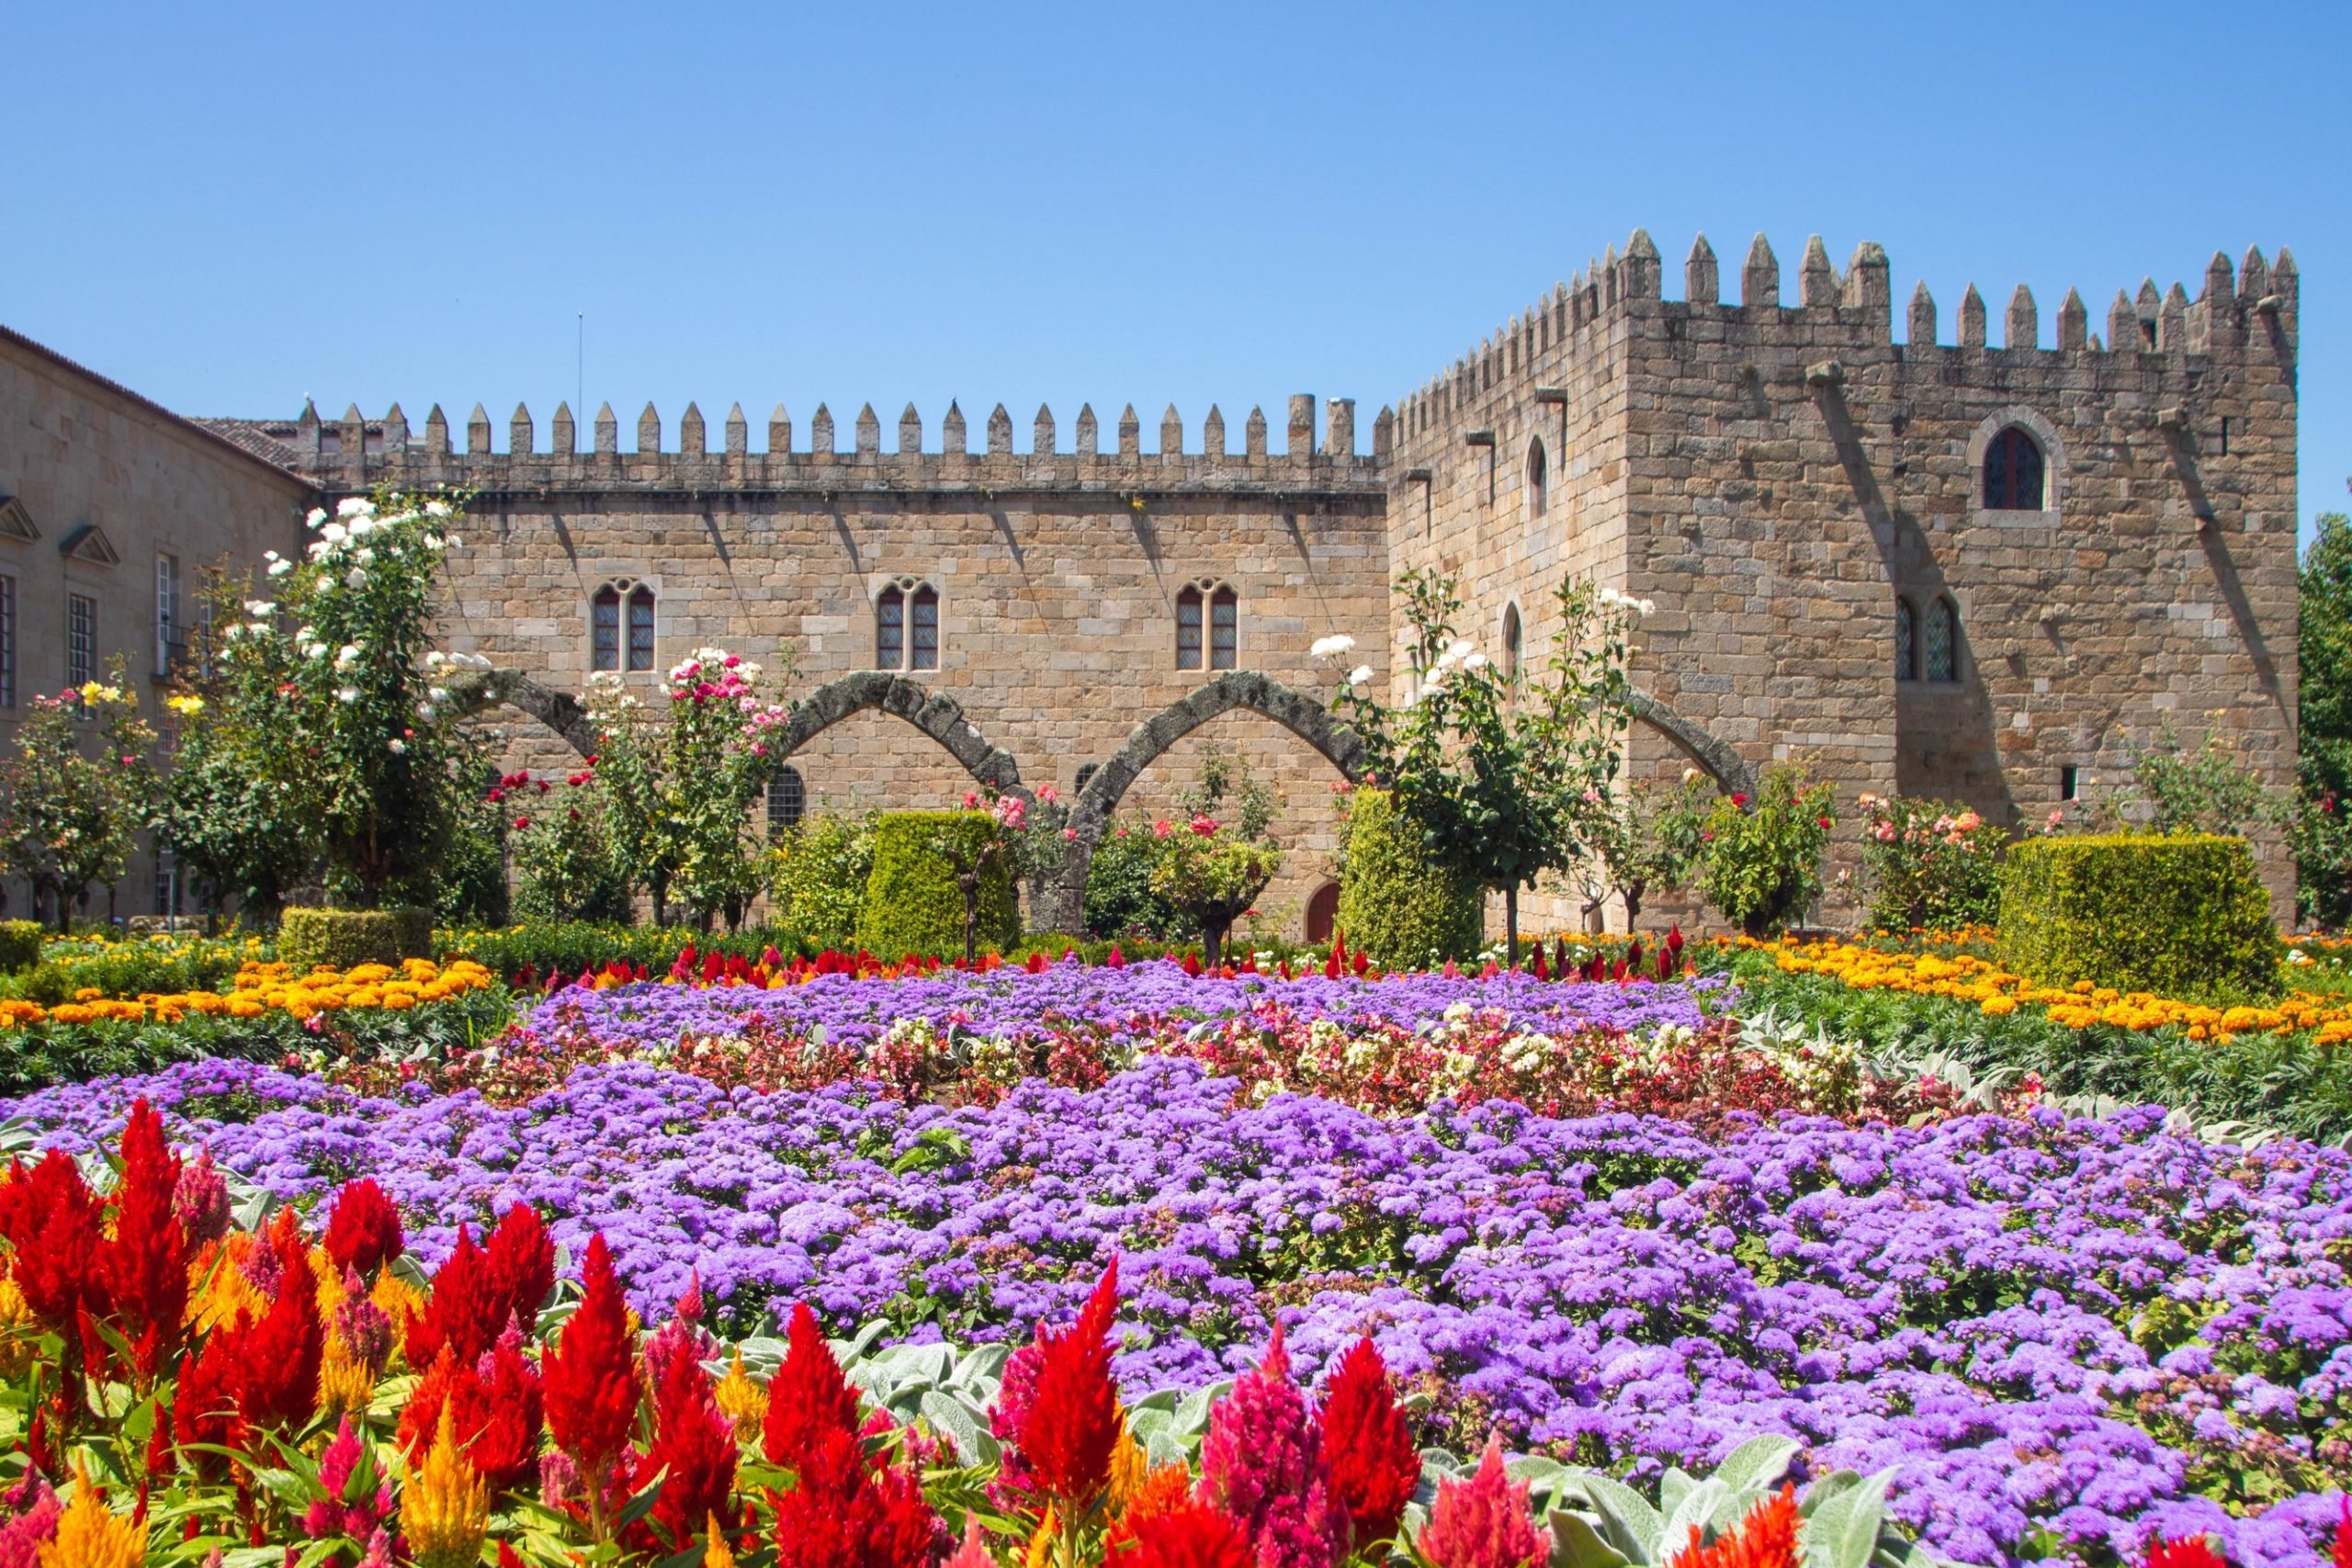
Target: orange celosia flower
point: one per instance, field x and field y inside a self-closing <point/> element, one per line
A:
<point x="1766" y="1538"/>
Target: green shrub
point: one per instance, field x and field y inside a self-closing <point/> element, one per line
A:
<point x="20" y="944"/>
<point x="912" y="904"/>
<point x="2179" y="915"/>
<point x="1397" y="906"/>
<point x="341" y="938"/>
<point x="1763" y="865"/>
<point x="1119" y="899"/>
<point x="1930" y="865"/>
<point x="163" y="964"/>
<point x="568" y="946"/>
<point x="818" y="876"/>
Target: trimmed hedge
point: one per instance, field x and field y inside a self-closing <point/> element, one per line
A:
<point x="20" y="944"/>
<point x="2180" y="915"/>
<point x="567" y="947"/>
<point x="1397" y="906"/>
<point x="912" y="904"/>
<point x="341" y="938"/>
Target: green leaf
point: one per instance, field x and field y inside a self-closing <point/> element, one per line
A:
<point x="1576" y="1544"/>
<point x="1627" y="1521"/>
<point x="1759" y="1462"/>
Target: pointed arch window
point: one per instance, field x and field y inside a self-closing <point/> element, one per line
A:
<point x="1513" y="639"/>
<point x="890" y="629"/>
<point x="1188" y="629"/>
<point x="1538" y="479"/>
<point x="617" y="606"/>
<point x="1941" y="655"/>
<point x="1225" y="629"/>
<point x="2013" y="472"/>
<point x="925" y="642"/>
<point x="1906" y="641"/>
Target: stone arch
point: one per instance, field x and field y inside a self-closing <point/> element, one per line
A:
<point x="1718" y="756"/>
<point x="941" y="717"/>
<point x="471" y="691"/>
<point x="2053" y="455"/>
<point x="1091" y="810"/>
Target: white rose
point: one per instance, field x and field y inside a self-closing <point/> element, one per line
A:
<point x="363" y="555"/>
<point x="356" y="578"/>
<point x="1332" y="647"/>
<point x="334" y="533"/>
<point x="258" y="607"/>
<point x="396" y="745"/>
<point x="355" y="506"/>
<point x="437" y="509"/>
<point x="318" y="515"/>
<point x="1359" y="675"/>
<point x="281" y="568"/>
<point x="1476" y="661"/>
<point x="348" y="695"/>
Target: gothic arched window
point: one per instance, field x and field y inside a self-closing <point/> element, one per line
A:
<point x="1188" y="629"/>
<point x="788" y="801"/>
<point x="891" y="630"/>
<point x="925" y="643"/>
<point x="1538" y="479"/>
<point x="607" y="648"/>
<point x="2013" y="472"/>
<point x="1906" y="641"/>
<point x="1941" y="654"/>
<point x="1225" y="629"/>
<point x="1513" y="639"/>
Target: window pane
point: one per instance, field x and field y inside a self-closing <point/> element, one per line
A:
<point x="167" y="612"/>
<point x="1188" y="629"/>
<point x="605" y="645"/>
<point x="1940" y="638"/>
<point x="926" y="639"/>
<point x="7" y="642"/>
<point x="1906" y="649"/>
<point x="1538" y="479"/>
<point x="641" y="630"/>
<point x="1224" y="630"/>
<point x="81" y="640"/>
<point x="2013" y="473"/>
<point x="788" y="801"/>
<point x="1511" y="641"/>
<point x="890" y="631"/>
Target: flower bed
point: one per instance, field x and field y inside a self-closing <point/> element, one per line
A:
<point x="2057" y="1334"/>
<point x="258" y="989"/>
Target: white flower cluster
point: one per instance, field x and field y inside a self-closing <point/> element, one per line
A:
<point x="437" y="660"/>
<point x="1612" y="600"/>
<point x="343" y="540"/>
<point x="1331" y="648"/>
<point x="1459" y="654"/>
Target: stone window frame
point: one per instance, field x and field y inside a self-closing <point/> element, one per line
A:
<point x="626" y="591"/>
<point x="2054" y="469"/>
<point x="1510" y="636"/>
<point x="908" y="593"/>
<point x="1539" y="477"/>
<point x="1203" y="597"/>
<point x="788" y="788"/>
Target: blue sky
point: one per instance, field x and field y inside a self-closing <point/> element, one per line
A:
<point x="230" y="208"/>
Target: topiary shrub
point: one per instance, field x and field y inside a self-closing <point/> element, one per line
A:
<point x="1397" y="906"/>
<point x="341" y="938"/>
<point x="20" y="944"/>
<point x="2179" y="915"/>
<point x="912" y="904"/>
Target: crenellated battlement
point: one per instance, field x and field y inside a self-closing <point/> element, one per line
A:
<point x="2252" y="309"/>
<point x="355" y="451"/>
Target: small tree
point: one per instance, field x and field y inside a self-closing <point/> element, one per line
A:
<point x="1641" y="837"/>
<point x="679" y="790"/>
<point x="1494" y="765"/>
<point x="368" y="733"/>
<point x="2322" y="831"/>
<point x="1763" y="866"/>
<point x="1212" y="878"/>
<point x="1023" y="842"/>
<point x="76" y="789"/>
<point x="563" y="856"/>
<point x="1932" y="865"/>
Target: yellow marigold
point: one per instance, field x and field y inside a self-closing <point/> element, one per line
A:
<point x="1998" y="1007"/>
<point x="742" y="1401"/>
<point x="90" y="1535"/>
<point x="445" y="1507"/>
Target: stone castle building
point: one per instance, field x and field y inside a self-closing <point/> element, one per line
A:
<point x="1925" y="567"/>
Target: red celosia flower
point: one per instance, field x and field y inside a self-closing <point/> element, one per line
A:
<point x="1483" y="1522"/>
<point x="590" y="1373"/>
<point x="2341" y="1556"/>
<point x="808" y="1397"/>
<point x="145" y="1260"/>
<point x="693" y="1443"/>
<point x="1367" y="1445"/>
<point x="204" y="1406"/>
<point x="278" y="1358"/>
<point x="521" y="1255"/>
<point x="1190" y="1535"/>
<point x="54" y="1224"/>
<point x="1766" y="1538"/>
<point x="1072" y="1426"/>
<point x="496" y="1411"/>
<point x="2187" y="1552"/>
<point x="847" y="1512"/>
<point x="477" y="1292"/>
<point x="364" y="1233"/>
<point x="1263" y="1463"/>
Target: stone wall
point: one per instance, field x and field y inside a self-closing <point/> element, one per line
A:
<point x="1057" y="572"/>
<point x="96" y="483"/>
<point x="1774" y="475"/>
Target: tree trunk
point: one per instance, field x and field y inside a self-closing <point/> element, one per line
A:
<point x="1510" y="922"/>
<point x="968" y="883"/>
<point x="1213" y="943"/>
<point x="660" y="891"/>
<point x="1634" y="904"/>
